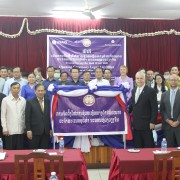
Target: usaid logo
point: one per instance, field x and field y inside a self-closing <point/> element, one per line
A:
<point x="58" y="42"/>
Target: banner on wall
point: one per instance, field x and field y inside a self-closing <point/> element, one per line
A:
<point x="86" y="52"/>
<point x="78" y="110"/>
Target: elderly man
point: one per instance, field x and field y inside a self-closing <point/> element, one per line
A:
<point x="13" y="118"/>
<point x="170" y="111"/>
<point x="174" y="70"/>
<point x="144" y="109"/>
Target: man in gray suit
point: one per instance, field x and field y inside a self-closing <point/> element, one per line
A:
<point x="170" y="111"/>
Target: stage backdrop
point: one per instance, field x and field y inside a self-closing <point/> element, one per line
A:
<point x="86" y="52"/>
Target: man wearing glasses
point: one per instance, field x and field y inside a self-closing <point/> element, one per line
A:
<point x="170" y="111"/>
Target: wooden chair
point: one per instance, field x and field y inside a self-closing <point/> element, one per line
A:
<point x="164" y="158"/>
<point x="39" y="165"/>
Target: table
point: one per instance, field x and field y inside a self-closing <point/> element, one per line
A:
<point x="133" y="166"/>
<point x="74" y="164"/>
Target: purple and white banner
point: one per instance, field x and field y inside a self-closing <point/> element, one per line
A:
<point x="86" y="52"/>
<point x="90" y="112"/>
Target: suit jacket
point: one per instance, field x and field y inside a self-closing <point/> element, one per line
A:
<point x="165" y="108"/>
<point x="1" y="98"/>
<point x="36" y="120"/>
<point x="145" y="110"/>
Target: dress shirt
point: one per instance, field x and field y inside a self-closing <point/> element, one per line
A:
<point x="111" y="82"/>
<point x="159" y="93"/>
<point x="8" y="83"/>
<point x="46" y="83"/>
<point x="27" y="92"/>
<point x="86" y="83"/>
<point x="150" y="83"/>
<point x="13" y="114"/>
<point x="41" y="101"/>
<point x="173" y="91"/>
<point x="2" y="82"/>
<point x="102" y="82"/>
<point x="139" y="91"/>
<point x="78" y="83"/>
<point x="172" y="94"/>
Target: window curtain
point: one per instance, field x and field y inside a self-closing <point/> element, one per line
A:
<point x="158" y="53"/>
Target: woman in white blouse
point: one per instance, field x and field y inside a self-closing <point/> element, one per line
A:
<point x="159" y="87"/>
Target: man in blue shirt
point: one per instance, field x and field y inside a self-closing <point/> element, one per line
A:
<point x="75" y="77"/>
<point x="50" y="80"/>
<point x="16" y="78"/>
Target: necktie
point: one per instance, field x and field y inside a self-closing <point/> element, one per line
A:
<point x="172" y="101"/>
<point x="41" y="104"/>
<point x="137" y="94"/>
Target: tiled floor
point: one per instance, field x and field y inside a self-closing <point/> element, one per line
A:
<point x="98" y="174"/>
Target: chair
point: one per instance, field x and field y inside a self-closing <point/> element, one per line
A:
<point x="39" y="165"/>
<point x="164" y="158"/>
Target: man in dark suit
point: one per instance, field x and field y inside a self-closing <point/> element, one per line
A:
<point x="1" y="134"/>
<point x="170" y="111"/>
<point x="37" y="119"/>
<point x="144" y="109"/>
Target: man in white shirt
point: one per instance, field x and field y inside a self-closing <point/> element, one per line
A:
<point x="99" y="81"/>
<point x="13" y="118"/>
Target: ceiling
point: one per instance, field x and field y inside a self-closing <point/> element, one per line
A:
<point x="136" y="9"/>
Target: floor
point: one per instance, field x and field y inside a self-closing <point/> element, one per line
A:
<point x="98" y="174"/>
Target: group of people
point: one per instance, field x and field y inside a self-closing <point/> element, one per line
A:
<point x="25" y="103"/>
<point x="155" y="92"/>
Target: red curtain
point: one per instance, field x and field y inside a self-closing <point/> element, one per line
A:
<point x="28" y="51"/>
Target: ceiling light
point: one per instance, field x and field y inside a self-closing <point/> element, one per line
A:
<point x="69" y="15"/>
